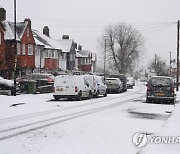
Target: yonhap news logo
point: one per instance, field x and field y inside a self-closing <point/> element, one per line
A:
<point x="141" y="139"/>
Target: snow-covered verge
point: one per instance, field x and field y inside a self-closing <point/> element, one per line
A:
<point x="171" y="131"/>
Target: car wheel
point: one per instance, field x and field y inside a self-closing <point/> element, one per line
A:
<point x="90" y="95"/>
<point x="105" y="94"/>
<point x="56" y="98"/>
<point x="148" y="100"/>
<point x="97" y="94"/>
<point x="79" y="97"/>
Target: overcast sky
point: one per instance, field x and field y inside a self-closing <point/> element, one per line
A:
<point x="84" y="20"/>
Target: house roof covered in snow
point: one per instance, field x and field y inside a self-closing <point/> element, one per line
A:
<point x="48" y="42"/>
<point x="83" y="54"/>
<point x="9" y="29"/>
<point x="66" y="44"/>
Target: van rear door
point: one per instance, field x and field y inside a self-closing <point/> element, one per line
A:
<point x="65" y="85"/>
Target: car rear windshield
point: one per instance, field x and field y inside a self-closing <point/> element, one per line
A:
<point x="37" y="76"/>
<point x="160" y="82"/>
<point x="111" y="81"/>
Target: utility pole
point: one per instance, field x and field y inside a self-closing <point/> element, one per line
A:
<point x="177" y="75"/>
<point x="155" y="62"/>
<point x="170" y="63"/>
<point x="105" y="59"/>
<point x="15" y="50"/>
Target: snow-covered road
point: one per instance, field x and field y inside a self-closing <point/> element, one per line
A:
<point x="105" y="125"/>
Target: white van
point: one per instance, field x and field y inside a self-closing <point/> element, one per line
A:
<point x="92" y="83"/>
<point x="72" y="87"/>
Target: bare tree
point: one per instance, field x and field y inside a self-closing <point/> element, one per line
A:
<point x="124" y="45"/>
<point x="160" y="67"/>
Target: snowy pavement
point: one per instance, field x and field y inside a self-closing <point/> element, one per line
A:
<point x="36" y="124"/>
<point x="171" y="129"/>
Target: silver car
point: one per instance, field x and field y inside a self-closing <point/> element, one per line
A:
<point x="114" y="85"/>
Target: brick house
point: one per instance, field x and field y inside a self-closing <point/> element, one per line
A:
<point x="2" y="48"/>
<point x="2" y="43"/>
<point x="24" y="47"/>
<point x="84" y="58"/>
<point x="48" y="53"/>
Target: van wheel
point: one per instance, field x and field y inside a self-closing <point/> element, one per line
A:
<point x="56" y="98"/>
<point x="79" y="97"/>
<point x="172" y="102"/>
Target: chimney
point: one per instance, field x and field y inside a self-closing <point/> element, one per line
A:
<point x="65" y="37"/>
<point x="2" y="14"/>
<point x="79" y="47"/>
<point x="75" y="45"/>
<point x="46" y="31"/>
<point x="29" y="22"/>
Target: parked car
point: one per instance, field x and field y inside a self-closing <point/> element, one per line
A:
<point x="8" y="85"/>
<point x="130" y="82"/>
<point x="43" y="82"/>
<point x="41" y="78"/>
<point x="123" y="79"/>
<point x="114" y="85"/>
<point x="72" y="87"/>
<point x="160" y="88"/>
<point x="101" y="86"/>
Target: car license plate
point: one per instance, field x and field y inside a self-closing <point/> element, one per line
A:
<point x="60" y="89"/>
<point x="160" y="94"/>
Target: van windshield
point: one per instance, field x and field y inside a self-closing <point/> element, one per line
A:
<point x="160" y="82"/>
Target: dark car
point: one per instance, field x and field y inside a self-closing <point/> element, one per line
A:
<point x="123" y="79"/>
<point x="8" y="86"/>
<point x="43" y="82"/>
<point x="41" y="78"/>
<point x="160" y="88"/>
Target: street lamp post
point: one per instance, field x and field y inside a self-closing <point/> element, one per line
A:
<point x="105" y="60"/>
<point x="15" y="49"/>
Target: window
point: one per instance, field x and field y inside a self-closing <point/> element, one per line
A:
<point x="53" y="53"/>
<point x="82" y="61"/>
<point x="27" y="31"/>
<point x="18" y="48"/>
<point x="46" y="53"/>
<point x="30" y="49"/>
<point x="63" y="55"/>
<point x="23" y="49"/>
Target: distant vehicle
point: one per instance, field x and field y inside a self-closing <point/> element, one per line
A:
<point x="130" y="82"/>
<point x="6" y="84"/>
<point x="101" y="86"/>
<point x="123" y="79"/>
<point x="114" y="85"/>
<point x="160" y="88"/>
<point x="143" y="79"/>
<point x="71" y="87"/>
<point x="43" y="82"/>
<point x="48" y="78"/>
